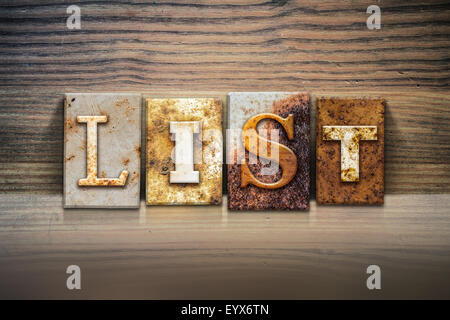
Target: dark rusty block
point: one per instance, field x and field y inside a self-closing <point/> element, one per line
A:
<point x="289" y="113"/>
<point x="350" y="151"/>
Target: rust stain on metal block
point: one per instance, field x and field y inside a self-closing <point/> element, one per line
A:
<point x="101" y="132"/>
<point x="350" y="151"/>
<point x="267" y="194"/>
<point x="207" y="151"/>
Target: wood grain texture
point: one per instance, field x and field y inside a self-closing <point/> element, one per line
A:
<point x="209" y="253"/>
<point x="323" y="47"/>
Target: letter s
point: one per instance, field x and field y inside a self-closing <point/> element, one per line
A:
<point x="287" y="158"/>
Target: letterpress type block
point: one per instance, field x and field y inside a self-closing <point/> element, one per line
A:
<point x="184" y="151"/>
<point x="268" y="151"/>
<point x="102" y="142"/>
<point x="350" y="151"/>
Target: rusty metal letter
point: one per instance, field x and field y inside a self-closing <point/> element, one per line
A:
<point x="349" y="137"/>
<point x="184" y="151"/>
<point x="285" y="156"/>
<point x="91" y="169"/>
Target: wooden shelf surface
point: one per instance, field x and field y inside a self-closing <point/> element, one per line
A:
<point x="209" y="252"/>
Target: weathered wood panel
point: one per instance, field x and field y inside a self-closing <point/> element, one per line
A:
<point x="323" y="47"/>
<point x="209" y="253"/>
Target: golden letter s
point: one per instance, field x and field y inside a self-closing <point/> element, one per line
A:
<point x="287" y="158"/>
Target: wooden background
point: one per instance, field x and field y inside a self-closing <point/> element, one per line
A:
<point x="322" y="47"/>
